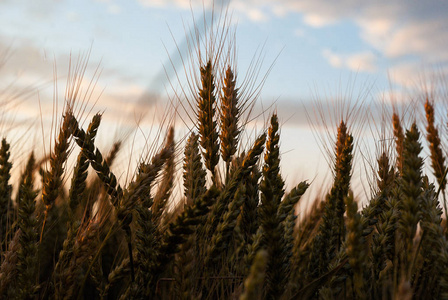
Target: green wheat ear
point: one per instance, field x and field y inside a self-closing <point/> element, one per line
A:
<point x="253" y="285"/>
<point x="291" y="199"/>
<point x="224" y="233"/>
<point x="8" y="268"/>
<point x="434" y="246"/>
<point x="249" y="221"/>
<point x="356" y="250"/>
<point x="328" y="240"/>
<point x="411" y="188"/>
<point x="249" y="162"/>
<point x="194" y="174"/>
<point x="272" y="190"/>
<point x="27" y="260"/>
<point x="6" y="205"/>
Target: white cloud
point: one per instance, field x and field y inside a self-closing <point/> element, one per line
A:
<point x="317" y="20"/>
<point x="27" y="76"/>
<point x="280" y="11"/>
<point x="333" y="59"/>
<point x="398" y="29"/>
<point x="358" y="62"/>
<point x="427" y="39"/>
<point x="417" y="76"/>
<point x="257" y="15"/>
<point x="114" y="9"/>
<point x="364" y="62"/>
<point x="395" y="28"/>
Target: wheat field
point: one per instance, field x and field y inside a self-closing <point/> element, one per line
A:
<point x="79" y="232"/>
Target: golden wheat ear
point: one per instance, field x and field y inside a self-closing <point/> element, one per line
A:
<point x="167" y="181"/>
<point x="207" y="119"/>
<point x="399" y="138"/>
<point x="53" y="178"/>
<point x="437" y="158"/>
<point x="230" y="114"/>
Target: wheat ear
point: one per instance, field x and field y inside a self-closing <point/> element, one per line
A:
<point x="53" y="178"/>
<point x="78" y="184"/>
<point x="411" y="187"/>
<point x="272" y="190"/>
<point x="437" y="158"/>
<point x="229" y="118"/>
<point x="27" y="260"/>
<point x="194" y="173"/>
<point x="165" y="187"/>
<point x="206" y="117"/>
<point x="6" y="206"/>
<point x="253" y="285"/>
<point x="399" y="138"/>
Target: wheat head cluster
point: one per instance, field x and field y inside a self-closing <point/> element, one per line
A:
<point x="235" y="231"/>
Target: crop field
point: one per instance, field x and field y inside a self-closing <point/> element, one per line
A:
<point x="77" y="231"/>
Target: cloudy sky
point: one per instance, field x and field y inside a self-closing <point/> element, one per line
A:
<point x="316" y="49"/>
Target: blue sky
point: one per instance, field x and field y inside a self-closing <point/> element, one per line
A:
<point x="319" y="43"/>
<point x="317" y="49"/>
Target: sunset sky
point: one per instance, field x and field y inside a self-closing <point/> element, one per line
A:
<point x="316" y="49"/>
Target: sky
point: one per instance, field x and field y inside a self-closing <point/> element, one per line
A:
<point x="310" y="51"/>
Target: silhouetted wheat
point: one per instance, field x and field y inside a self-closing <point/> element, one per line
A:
<point x="234" y="232"/>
